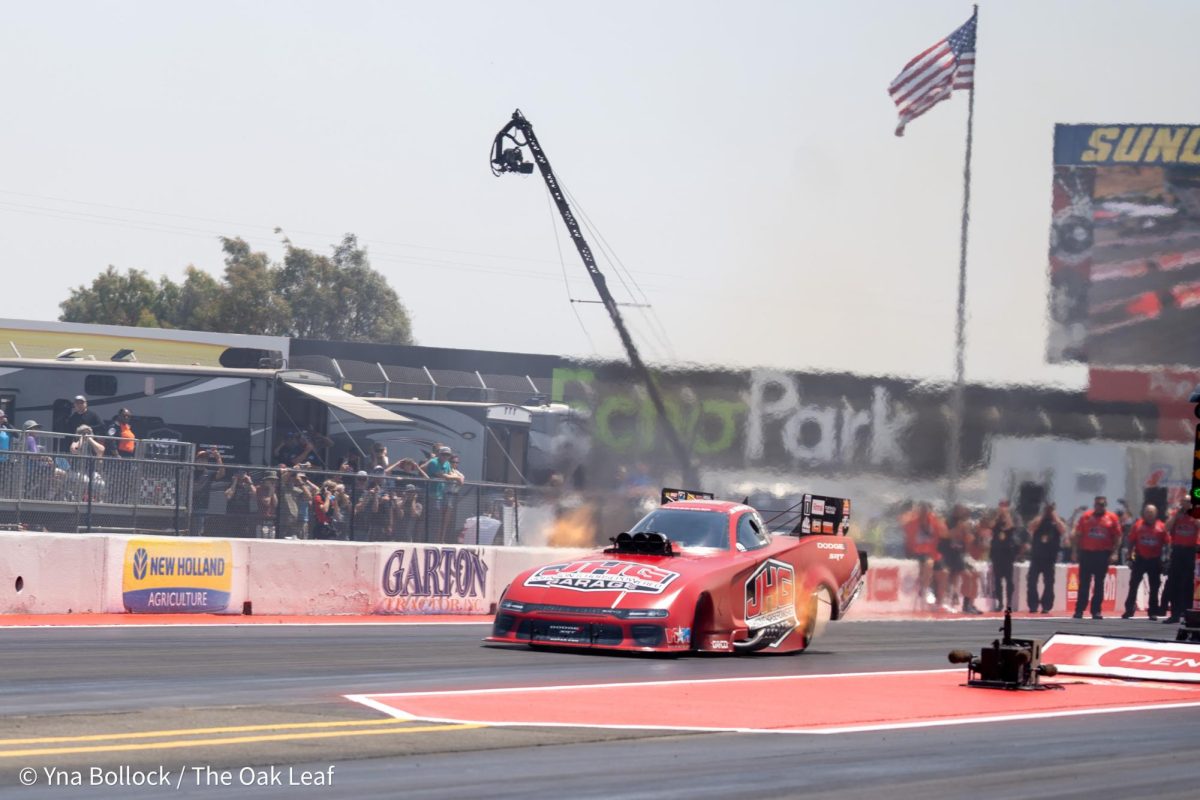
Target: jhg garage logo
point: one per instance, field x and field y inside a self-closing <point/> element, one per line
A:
<point x="771" y="600"/>
<point x="603" y="576"/>
<point x="140" y="559"/>
<point x="173" y="577"/>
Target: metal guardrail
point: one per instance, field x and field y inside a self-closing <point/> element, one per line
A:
<point x="51" y="481"/>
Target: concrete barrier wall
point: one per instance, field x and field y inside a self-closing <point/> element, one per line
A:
<point x="44" y="573"/>
<point x="50" y="574"/>
<point x="47" y="573"/>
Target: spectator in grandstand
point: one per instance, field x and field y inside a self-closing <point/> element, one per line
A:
<point x="241" y="508"/>
<point x="41" y="473"/>
<point x="209" y="469"/>
<point x="374" y="512"/>
<point x="379" y="456"/>
<point x="268" y="504"/>
<point x="1184" y="530"/>
<point x="1097" y="537"/>
<point x="5" y="464"/>
<point x="1046" y="536"/>
<point x="410" y="515"/>
<point x="86" y="480"/>
<point x="339" y="507"/>
<point x="1008" y="544"/>
<point x="1147" y="542"/>
<point x="442" y="470"/>
<point x="293" y="449"/>
<point x="953" y="549"/>
<point x="121" y="441"/>
<point x="922" y="531"/>
<point x="295" y="499"/>
<point x="82" y="415"/>
<point x="322" y="512"/>
<point x="408" y="468"/>
<point x="434" y="454"/>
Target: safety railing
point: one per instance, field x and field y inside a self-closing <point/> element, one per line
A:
<point x="61" y="482"/>
<point x="55" y="482"/>
<point x="255" y="502"/>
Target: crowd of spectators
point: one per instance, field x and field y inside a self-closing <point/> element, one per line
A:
<point x="951" y="552"/>
<point x="368" y="498"/>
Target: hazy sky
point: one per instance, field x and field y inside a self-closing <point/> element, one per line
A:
<point x="739" y="158"/>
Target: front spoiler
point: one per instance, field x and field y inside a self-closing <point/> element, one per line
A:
<point x="642" y="636"/>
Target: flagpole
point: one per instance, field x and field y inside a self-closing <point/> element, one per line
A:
<point x="954" y="454"/>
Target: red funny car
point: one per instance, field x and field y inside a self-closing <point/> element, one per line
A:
<point x="694" y="574"/>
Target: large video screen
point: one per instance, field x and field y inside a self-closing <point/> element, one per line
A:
<point x="1125" y="245"/>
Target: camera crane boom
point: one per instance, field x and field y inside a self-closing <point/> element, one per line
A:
<point x="510" y="159"/>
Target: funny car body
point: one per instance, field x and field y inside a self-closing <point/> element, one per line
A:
<point x="693" y="575"/>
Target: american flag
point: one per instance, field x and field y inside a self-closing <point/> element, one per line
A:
<point x="930" y="77"/>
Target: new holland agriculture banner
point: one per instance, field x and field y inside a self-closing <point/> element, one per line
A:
<point x="1125" y="245"/>
<point x="177" y="577"/>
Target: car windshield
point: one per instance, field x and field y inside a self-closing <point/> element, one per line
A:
<point x="687" y="527"/>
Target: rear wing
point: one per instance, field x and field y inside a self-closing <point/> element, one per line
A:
<point x="825" y="515"/>
<point x="673" y="495"/>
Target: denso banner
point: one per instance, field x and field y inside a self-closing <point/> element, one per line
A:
<point x="436" y="580"/>
<point x="1123" y="658"/>
<point x="171" y="577"/>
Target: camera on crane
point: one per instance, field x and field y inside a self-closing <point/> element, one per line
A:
<point x="512" y="160"/>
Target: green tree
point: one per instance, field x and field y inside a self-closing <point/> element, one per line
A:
<point x="309" y="295"/>
<point x="114" y="299"/>
<point x="249" y="303"/>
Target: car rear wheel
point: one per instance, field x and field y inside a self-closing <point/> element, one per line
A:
<point x="817" y="612"/>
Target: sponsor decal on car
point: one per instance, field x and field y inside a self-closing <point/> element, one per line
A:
<point x="603" y="576"/>
<point x="679" y="635"/>
<point x="718" y="644"/>
<point x="771" y="597"/>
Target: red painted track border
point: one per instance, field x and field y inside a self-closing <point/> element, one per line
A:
<point x="798" y="704"/>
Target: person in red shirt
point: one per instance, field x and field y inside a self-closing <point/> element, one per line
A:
<point x="1097" y="537"/>
<point x="1183" y="528"/>
<point x="1147" y="540"/>
<point x="923" y="529"/>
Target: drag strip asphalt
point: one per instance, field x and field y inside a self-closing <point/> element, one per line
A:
<point x="228" y="698"/>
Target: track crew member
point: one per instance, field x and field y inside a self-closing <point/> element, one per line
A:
<point x="1097" y="537"/>
<point x="1183" y="529"/>
<point x="922" y="532"/>
<point x="1046" y="531"/>
<point x="1147" y="540"/>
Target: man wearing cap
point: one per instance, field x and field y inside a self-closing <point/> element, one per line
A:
<point x="40" y="470"/>
<point x="82" y="415"/>
<point x="120" y="434"/>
